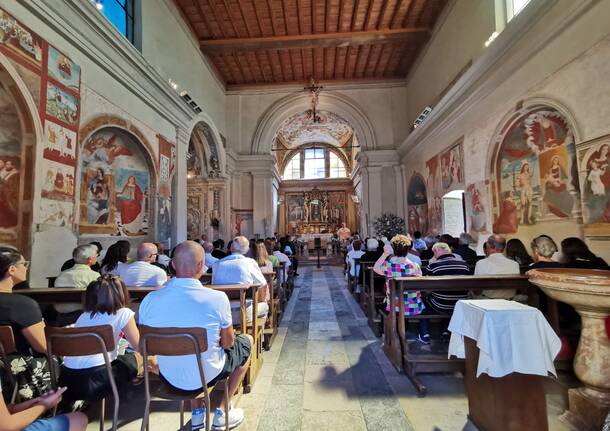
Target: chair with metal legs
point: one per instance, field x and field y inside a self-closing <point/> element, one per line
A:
<point x="178" y="342"/>
<point x="91" y="340"/>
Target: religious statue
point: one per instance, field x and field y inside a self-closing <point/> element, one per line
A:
<point x="306" y="200"/>
<point x="325" y="207"/>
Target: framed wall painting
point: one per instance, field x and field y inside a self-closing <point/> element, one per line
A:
<point x="594" y="174"/>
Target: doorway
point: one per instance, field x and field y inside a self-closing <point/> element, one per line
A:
<point x="454" y="220"/>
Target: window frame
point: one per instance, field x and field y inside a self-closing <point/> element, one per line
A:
<point x="129" y="11"/>
<point x="302" y="154"/>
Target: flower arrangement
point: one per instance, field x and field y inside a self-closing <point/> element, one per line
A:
<point x="389" y="225"/>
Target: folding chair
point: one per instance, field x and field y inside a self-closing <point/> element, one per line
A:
<point x="91" y="340"/>
<point x="178" y="342"/>
<point x="7" y="346"/>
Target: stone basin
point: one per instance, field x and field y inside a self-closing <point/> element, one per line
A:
<point x="588" y="291"/>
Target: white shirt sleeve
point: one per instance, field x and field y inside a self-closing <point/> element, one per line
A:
<point x="224" y="310"/>
<point x="478" y="268"/>
<point x="257" y="274"/>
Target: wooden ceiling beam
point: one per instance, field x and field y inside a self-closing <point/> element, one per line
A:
<point x="320" y="40"/>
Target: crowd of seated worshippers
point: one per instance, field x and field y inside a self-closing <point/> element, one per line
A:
<point x="107" y="303"/>
<point x="446" y="255"/>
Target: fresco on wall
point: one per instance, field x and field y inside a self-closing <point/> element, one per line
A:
<point x="452" y="167"/>
<point x="535" y="171"/>
<point x="19" y="40"/>
<point x="63" y="69"/>
<point x="594" y="159"/>
<point x="30" y="79"/>
<point x="10" y="168"/>
<point x="417" y="205"/>
<point x="58" y="181"/>
<point x="477" y="202"/>
<point x="60" y="143"/>
<point x="115" y="182"/>
<point x="435" y="193"/>
<point x="57" y="213"/>
<point x="167" y="163"/>
<point x="62" y="105"/>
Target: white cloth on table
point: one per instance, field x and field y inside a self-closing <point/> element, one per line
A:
<point x="511" y="337"/>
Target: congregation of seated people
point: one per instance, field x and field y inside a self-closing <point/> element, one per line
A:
<point x="107" y="302"/>
<point x="105" y="277"/>
<point x="445" y="255"/>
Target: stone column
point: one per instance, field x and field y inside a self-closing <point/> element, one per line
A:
<point x="179" y="199"/>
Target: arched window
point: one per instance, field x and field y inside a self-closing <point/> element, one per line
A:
<point x="315" y="163"/>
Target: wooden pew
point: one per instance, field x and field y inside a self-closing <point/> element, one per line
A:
<point x="372" y="296"/>
<point x="396" y="346"/>
<point x="76" y="295"/>
<point x="352" y="280"/>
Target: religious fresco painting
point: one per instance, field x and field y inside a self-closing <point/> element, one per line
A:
<point x="60" y="143"/>
<point x="477" y="202"/>
<point x="535" y="171"/>
<point x="59" y="179"/>
<point x="435" y="193"/>
<point x="452" y="167"/>
<point x="63" y="69"/>
<point x="62" y="105"/>
<point x="594" y="158"/>
<point x="31" y="80"/>
<point x="417" y="205"/>
<point x="57" y="213"/>
<point x="10" y="169"/>
<point x="115" y="185"/>
<point x="19" y="40"/>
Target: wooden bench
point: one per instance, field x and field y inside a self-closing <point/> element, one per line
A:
<point x="77" y="295"/>
<point x="352" y="280"/>
<point x="395" y="341"/>
<point x="372" y="296"/>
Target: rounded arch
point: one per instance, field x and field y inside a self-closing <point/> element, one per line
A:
<point x="532" y="160"/>
<point x="204" y="121"/>
<point x="273" y="117"/>
<point x="20" y="188"/>
<point x="521" y="109"/>
<point x="113" y="137"/>
<point x="209" y="149"/>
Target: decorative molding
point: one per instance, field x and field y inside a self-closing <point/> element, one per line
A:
<point x="500" y="60"/>
<point x="291" y="104"/>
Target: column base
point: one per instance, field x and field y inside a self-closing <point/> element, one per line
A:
<point x="585" y="413"/>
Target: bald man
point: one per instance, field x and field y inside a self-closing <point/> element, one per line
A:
<point x="183" y="303"/>
<point x="142" y="272"/>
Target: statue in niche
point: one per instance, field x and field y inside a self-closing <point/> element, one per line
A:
<point x="325" y="207"/>
<point x="214" y="167"/>
<point x="306" y="209"/>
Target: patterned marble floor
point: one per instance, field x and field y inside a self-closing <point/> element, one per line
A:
<point x="326" y="371"/>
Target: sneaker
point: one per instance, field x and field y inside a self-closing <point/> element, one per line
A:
<point x="446" y="335"/>
<point x="424" y="339"/>
<point x="236" y="417"/>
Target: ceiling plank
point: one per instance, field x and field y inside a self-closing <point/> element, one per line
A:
<point x="215" y="15"/>
<point x="205" y="18"/>
<point x="228" y="12"/>
<point x="300" y="25"/>
<point x="384" y="6"/>
<point x="320" y="40"/>
<point x="285" y="16"/>
<point x="243" y="17"/>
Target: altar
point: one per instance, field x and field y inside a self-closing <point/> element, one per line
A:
<point x="315" y="212"/>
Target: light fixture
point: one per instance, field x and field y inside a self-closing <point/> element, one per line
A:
<point x="491" y="38"/>
<point x="172" y="84"/>
<point x="314" y="89"/>
<point x="98" y="4"/>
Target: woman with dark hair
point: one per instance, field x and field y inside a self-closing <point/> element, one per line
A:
<point x="22" y="314"/>
<point x="394" y="263"/>
<point x="115" y="256"/>
<point x="576" y="254"/>
<point x="516" y="251"/>
<point x="106" y="302"/>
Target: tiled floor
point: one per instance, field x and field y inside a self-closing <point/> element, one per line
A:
<point x="326" y="371"/>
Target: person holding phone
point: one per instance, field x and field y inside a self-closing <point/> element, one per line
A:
<point x="24" y="416"/>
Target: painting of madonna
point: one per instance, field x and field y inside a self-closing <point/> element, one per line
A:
<point x="130" y="201"/>
<point x="556" y="194"/>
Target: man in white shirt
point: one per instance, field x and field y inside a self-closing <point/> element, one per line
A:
<point x="183" y="303"/>
<point x="239" y="269"/>
<point x="79" y="276"/>
<point x="142" y="272"/>
<point x="209" y="259"/>
<point x="355" y="253"/>
<point x="496" y="264"/>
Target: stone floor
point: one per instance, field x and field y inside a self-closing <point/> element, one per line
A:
<point x="326" y="371"/>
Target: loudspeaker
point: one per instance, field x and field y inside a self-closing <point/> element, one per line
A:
<point x="317" y="242"/>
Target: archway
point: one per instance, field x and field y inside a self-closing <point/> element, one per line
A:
<point x="534" y="169"/>
<point x="118" y="185"/>
<point x="205" y="184"/>
<point x="454" y="219"/>
<point x="17" y="155"/>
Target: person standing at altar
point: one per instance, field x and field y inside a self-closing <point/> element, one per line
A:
<point x="344" y="232"/>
